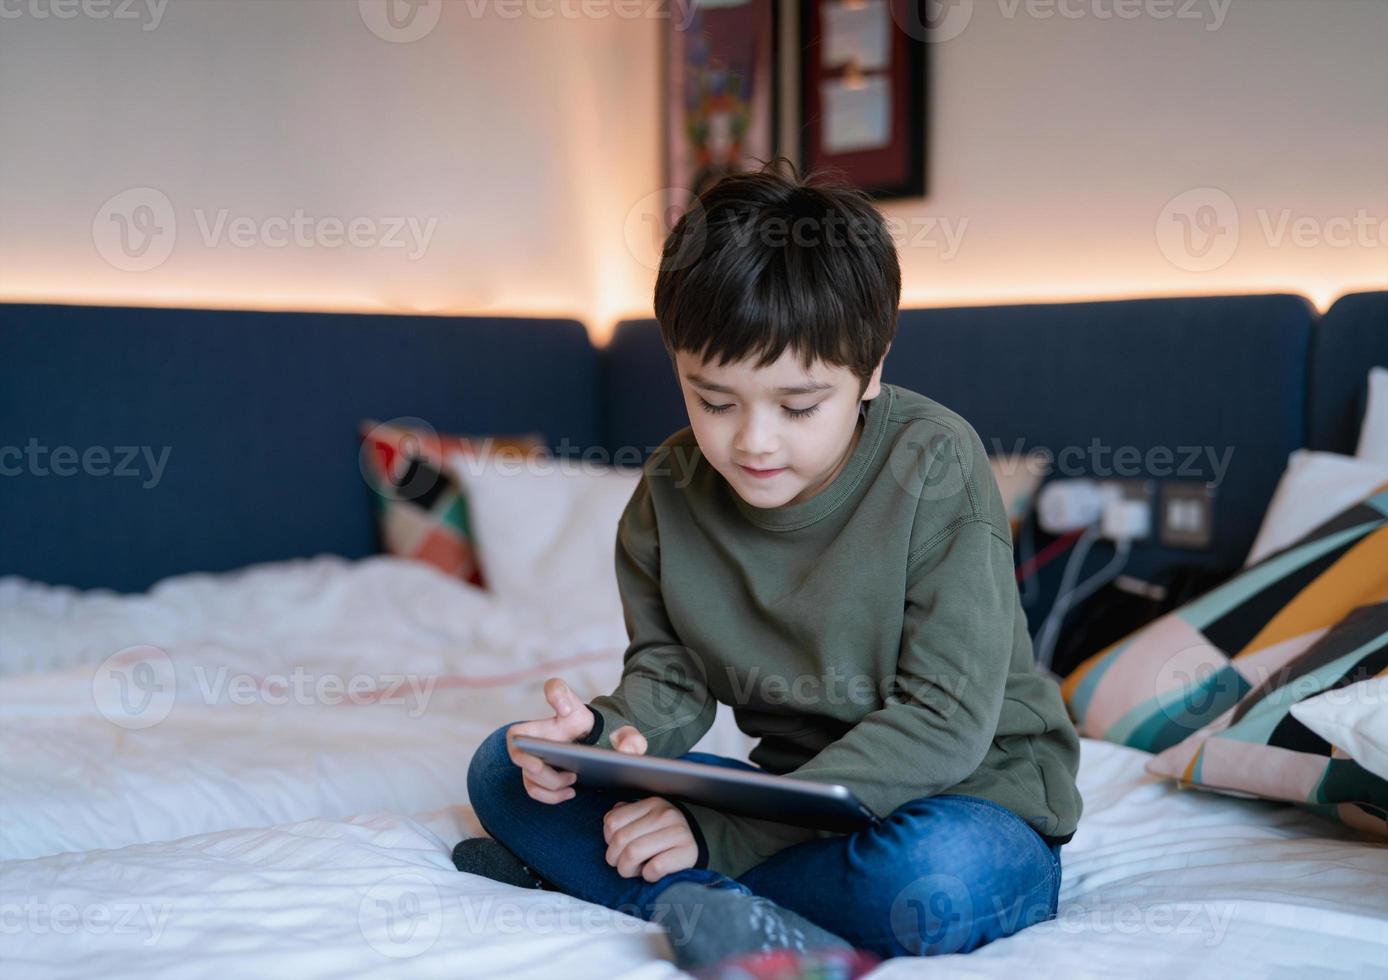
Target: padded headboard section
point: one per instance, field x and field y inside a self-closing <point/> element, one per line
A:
<point x="259" y="413"/>
<point x="1226" y="373"/>
<point x="1351" y="338"/>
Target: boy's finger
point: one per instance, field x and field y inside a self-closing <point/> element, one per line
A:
<point x="559" y="697"/>
<point x="617" y="818"/>
<point x="642" y="849"/>
<point x="537" y="771"/>
<point x="628" y="739"/>
<point x="542" y="795"/>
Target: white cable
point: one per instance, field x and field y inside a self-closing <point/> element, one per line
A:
<point x="1069" y="595"/>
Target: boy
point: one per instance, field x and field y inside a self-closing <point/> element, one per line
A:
<point x="830" y="556"/>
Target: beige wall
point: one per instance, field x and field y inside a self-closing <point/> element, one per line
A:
<point x="514" y="160"/>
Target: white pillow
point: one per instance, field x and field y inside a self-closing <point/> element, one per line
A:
<point x="1373" y="436"/>
<point x="546" y="532"/>
<point x="1354" y="717"/>
<point x="1314" y="488"/>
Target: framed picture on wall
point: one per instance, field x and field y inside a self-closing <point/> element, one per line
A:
<point x="862" y="98"/>
<point x="722" y="92"/>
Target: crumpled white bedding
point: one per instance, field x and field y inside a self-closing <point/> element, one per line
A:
<point x="247" y="833"/>
<point x="289" y="691"/>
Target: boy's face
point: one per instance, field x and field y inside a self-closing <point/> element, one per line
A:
<point x="775" y="447"/>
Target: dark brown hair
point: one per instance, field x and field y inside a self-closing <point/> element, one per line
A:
<point x="765" y="260"/>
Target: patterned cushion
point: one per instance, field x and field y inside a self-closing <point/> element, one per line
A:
<point x="1259" y="748"/>
<point x="421" y="509"/>
<point x="1160" y="684"/>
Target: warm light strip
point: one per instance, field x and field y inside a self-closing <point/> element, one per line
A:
<point x="602" y="328"/>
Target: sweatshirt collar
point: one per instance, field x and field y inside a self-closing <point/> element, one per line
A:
<point x="792" y="516"/>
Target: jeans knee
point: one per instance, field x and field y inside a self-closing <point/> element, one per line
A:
<point x="948" y="877"/>
<point x="489" y="764"/>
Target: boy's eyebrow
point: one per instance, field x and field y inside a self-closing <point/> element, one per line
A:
<point x="808" y="388"/>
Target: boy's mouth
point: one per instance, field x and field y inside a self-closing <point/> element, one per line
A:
<point x="761" y="474"/>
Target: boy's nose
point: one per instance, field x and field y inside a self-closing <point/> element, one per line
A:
<point x="755" y="445"/>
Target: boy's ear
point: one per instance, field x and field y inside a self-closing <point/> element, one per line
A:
<point x="874" y="385"/>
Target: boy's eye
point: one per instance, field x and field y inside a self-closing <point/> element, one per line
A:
<point x="795" y="413"/>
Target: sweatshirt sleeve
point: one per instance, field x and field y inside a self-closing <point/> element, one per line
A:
<point x="662" y="690"/>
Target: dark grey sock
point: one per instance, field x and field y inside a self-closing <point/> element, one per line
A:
<point x="706" y="925"/>
<point x="492" y="859"/>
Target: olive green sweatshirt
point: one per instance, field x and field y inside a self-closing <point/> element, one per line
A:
<point x="871" y="635"/>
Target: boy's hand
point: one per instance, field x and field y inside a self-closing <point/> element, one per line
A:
<point x="572" y="720"/>
<point x="650" y="836"/>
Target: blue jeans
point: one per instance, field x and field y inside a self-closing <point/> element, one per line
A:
<point x="940" y="874"/>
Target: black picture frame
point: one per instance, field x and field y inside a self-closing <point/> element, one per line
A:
<point x="899" y="171"/>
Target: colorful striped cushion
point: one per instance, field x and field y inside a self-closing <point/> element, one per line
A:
<point x="1259" y="748"/>
<point x="422" y="512"/>
<point x="1169" y="679"/>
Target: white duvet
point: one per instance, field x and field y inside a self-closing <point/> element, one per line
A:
<point x="285" y="799"/>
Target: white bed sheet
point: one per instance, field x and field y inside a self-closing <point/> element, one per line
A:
<point x="254" y="723"/>
<point x="222" y="840"/>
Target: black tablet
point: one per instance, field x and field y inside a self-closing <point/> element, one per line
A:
<point x="823" y="806"/>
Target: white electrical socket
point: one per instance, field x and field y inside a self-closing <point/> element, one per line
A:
<point x="1122" y="508"/>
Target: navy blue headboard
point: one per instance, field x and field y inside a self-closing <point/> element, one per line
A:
<point x="1350" y="338"/>
<point x="1201" y="372"/>
<point x="259" y="414"/>
<point x="259" y="411"/>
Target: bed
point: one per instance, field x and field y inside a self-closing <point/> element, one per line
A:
<point x="253" y="831"/>
<point x="313" y="839"/>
